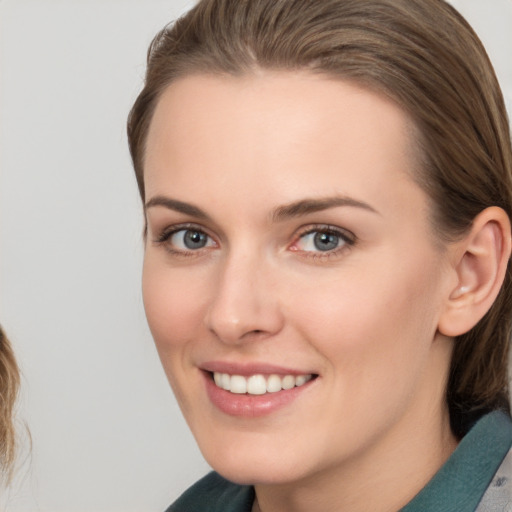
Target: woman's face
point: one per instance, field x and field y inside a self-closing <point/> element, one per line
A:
<point x="290" y="259"/>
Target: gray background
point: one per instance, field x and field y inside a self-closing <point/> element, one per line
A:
<point x="106" y="432"/>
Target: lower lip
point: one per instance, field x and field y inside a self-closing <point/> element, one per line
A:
<point x="251" y="406"/>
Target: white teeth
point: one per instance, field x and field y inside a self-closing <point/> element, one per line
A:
<point x="258" y="384"/>
<point x="238" y="384"/>
<point x="225" y="382"/>
<point x="274" y="383"/>
<point x="301" y="379"/>
<point x="288" y="382"/>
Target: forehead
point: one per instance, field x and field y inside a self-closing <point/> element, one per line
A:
<point x="299" y="101"/>
<point x="277" y="133"/>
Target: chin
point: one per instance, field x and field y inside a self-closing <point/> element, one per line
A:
<point x="247" y="474"/>
<point x="267" y="465"/>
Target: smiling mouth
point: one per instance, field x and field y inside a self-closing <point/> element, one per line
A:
<point x="259" y="384"/>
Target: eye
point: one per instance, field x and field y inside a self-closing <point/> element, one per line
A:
<point x="184" y="240"/>
<point x="189" y="239"/>
<point x="318" y="241"/>
<point x="323" y="239"/>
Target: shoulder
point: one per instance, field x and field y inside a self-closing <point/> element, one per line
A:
<point x="214" y="494"/>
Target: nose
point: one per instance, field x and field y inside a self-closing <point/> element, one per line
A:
<point x="245" y="301"/>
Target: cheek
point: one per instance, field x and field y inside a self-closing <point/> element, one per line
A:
<point x="173" y="302"/>
<point x="371" y="320"/>
<point x="375" y="335"/>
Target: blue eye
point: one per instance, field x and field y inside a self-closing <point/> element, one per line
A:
<point x="325" y="241"/>
<point x="322" y="240"/>
<point x="189" y="240"/>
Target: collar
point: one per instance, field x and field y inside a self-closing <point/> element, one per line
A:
<point x="462" y="481"/>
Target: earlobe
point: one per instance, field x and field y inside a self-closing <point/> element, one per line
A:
<point x="480" y="265"/>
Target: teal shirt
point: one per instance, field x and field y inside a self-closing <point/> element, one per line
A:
<point x="458" y="486"/>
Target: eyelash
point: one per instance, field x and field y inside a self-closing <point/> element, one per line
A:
<point x="164" y="237"/>
<point x="345" y="236"/>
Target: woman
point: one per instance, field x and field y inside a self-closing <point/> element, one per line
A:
<point x="9" y="384"/>
<point x="327" y="192"/>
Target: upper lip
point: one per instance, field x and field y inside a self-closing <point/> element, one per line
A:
<point x="253" y="368"/>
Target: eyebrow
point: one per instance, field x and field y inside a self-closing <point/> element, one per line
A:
<point x="307" y="206"/>
<point x="177" y="206"/>
<point x="280" y="214"/>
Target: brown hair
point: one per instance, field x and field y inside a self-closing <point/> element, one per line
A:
<point x="422" y="54"/>
<point x="9" y="385"/>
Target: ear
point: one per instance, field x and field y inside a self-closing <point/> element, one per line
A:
<point x="480" y="262"/>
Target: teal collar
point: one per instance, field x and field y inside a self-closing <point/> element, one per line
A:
<point x="462" y="481"/>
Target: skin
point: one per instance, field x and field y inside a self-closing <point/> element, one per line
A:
<point x="363" y="317"/>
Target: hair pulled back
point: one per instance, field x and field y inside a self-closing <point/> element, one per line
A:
<point x="420" y="53"/>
